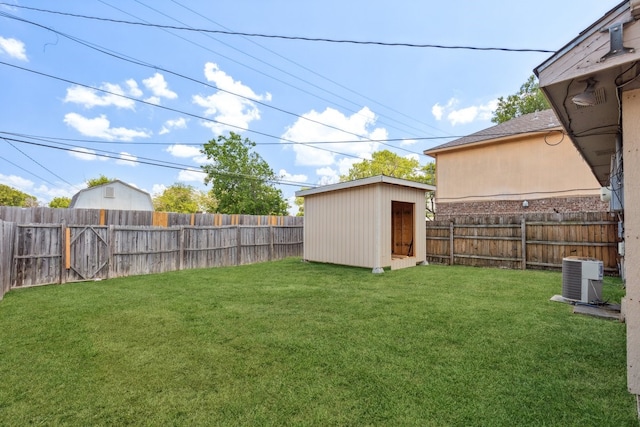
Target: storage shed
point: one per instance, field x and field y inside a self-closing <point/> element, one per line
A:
<point x="112" y="195"/>
<point x="374" y="222"/>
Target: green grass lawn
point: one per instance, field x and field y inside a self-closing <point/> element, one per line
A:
<point x="293" y="343"/>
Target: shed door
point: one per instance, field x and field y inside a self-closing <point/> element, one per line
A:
<point x="402" y="223"/>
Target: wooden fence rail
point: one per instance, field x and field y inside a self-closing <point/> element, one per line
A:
<point x="44" y="215"/>
<point x="41" y="254"/>
<point x="536" y="241"/>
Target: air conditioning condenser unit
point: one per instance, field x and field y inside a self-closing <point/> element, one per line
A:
<point x="582" y="279"/>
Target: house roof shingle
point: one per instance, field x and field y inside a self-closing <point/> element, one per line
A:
<point x="532" y="122"/>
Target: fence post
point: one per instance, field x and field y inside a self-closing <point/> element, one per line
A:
<point x="239" y="243"/>
<point x="65" y="249"/>
<point x="112" y="250"/>
<point x="451" y="228"/>
<point x="181" y="248"/>
<point x="523" y="236"/>
<point x="271" y="243"/>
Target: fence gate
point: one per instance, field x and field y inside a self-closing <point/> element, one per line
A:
<point x="37" y="255"/>
<point x="87" y="253"/>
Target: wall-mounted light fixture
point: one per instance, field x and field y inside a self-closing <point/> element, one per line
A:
<point x="588" y="97"/>
<point x="525" y="204"/>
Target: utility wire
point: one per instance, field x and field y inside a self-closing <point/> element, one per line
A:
<point x="175" y="110"/>
<point x="262" y="72"/>
<point x="38" y="163"/>
<point x="307" y="69"/>
<point x="426" y="138"/>
<point x="25" y="170"/>
<point x="274" y="36"/>
<point x="140" y="63"/>
<point x="152" y="162"/>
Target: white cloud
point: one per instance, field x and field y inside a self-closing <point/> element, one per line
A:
<point x="90" y="98"/>
<point x="83" y="154"/>
<point x="127" y="159"/>
<point x="293" y="208"/>
<point x="187" y="151"/>
<point x="16" y="181"/>
<point x="437" y="110"/>
<point x="153" y="100"/>
<point x="169" y="125"/>
<point x="134" y="90"/>
<point x="158" y="189"/>
<point x="283" y="174"/>
<point x="191" y="175"/>
<point x="225" y="107"/>
<point x="327" y="176"/>
<point x="183" y="151"/>
<point x="464" y="115"/>
<point x="159" y="87"/>
<point x="359" y="123"/>
<point x="43" y="192"/>
<point x="14" y="48"/>
<point x="100" y="127"/>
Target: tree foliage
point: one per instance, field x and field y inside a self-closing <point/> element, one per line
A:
<point x="182" y="198"/>
<point x="528" y="99"/>
<point x="60" y="202"/>
<point x="101" y="180"/>
<point x="9" y="196"/>
<point x="240" y="178"/>
<point x="390" y="164"/>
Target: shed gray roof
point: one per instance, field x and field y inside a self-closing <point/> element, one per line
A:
<point x="527" y="123"/>
<point x="366" y="181"/>
<point x="75" y="197"/>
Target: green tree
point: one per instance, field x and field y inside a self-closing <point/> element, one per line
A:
<point x="240" y="178"/>
<point x="60" y="202"/>
<point x="528" y="99"/>
<point x="94" y="182"/>
<point x="9" y="196"/>
<point x="182" y="198"/>
<point x="390" y="164"/>
<point x="299" y="201"/>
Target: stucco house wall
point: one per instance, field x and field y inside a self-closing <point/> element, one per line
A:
<point x="351" y="223"/>
<point x="115" y="195"/>
<point x="526" y="159"/>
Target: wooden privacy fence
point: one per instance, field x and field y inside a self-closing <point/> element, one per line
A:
<point x="533" y="241"/>
<point x="40" y="254"/>
<point x="43" y="215"/>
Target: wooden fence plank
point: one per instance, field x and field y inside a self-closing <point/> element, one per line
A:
<point x="544" y="240"/>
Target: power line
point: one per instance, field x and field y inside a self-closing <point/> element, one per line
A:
<point x="27" y="171"/>
<point x="425" y="138"/>
<point x="310" y="71"/>
<point x="38" y="163"/>
<point x="137" y="62"/>
<point x="176" y="110"/>
<point x="274" y="36"/>
<point x="153" y="162"/>
<point x="262" y="72"/>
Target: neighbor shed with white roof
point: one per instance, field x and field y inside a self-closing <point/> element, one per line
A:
<point x="374" y="222"/>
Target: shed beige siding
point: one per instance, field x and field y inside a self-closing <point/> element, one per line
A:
<point x="352" y="226"/>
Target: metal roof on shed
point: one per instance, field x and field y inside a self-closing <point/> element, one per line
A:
<point x="366" y="181"/>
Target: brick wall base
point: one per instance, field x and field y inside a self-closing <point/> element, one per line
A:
<point x="515" y="207"/>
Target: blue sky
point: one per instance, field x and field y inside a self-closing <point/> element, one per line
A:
<point x="58" y="132"/>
